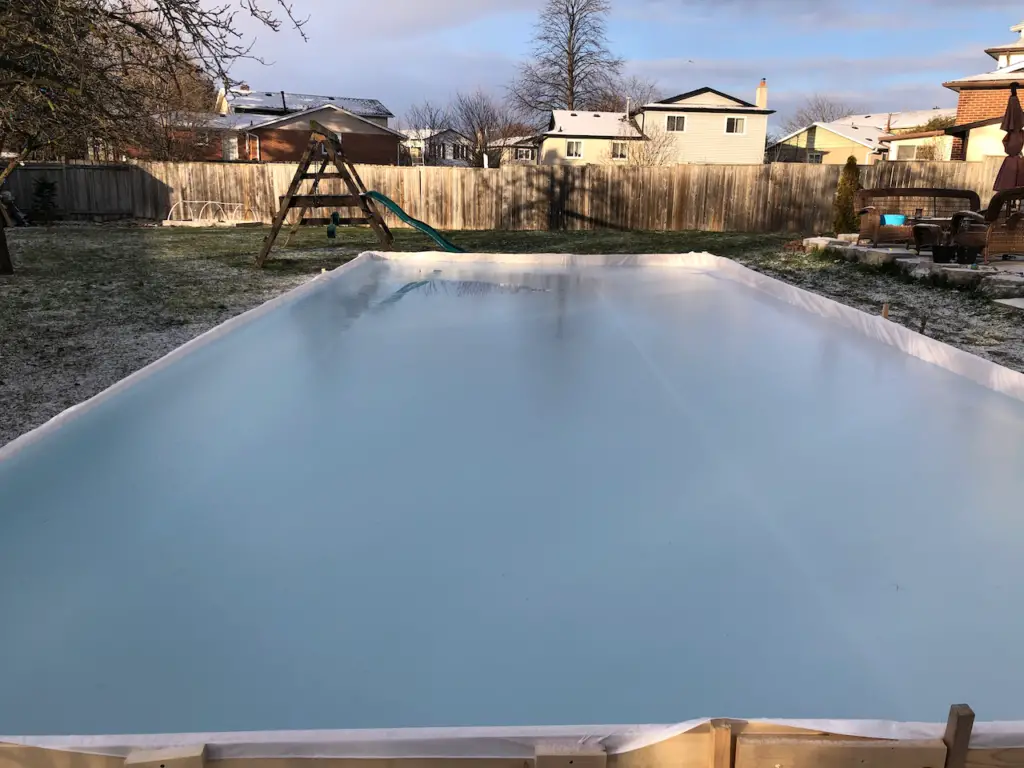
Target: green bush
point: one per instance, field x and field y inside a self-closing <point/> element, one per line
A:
<point x="849" y="182"/>
<point x="44" y="201"/>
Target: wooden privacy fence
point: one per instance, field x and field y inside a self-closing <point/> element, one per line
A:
<point x="780" y="197"/>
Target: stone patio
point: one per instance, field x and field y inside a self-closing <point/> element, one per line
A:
<point x="997" y="280"/>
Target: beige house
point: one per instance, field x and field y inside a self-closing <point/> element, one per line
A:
<point x="919" y="145"/>
<point x="864" y="137"/>
<point x="575" y="137"/>
<point x="702" y="126"/>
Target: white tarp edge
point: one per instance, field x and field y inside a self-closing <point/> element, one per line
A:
<point x="485" y="742"/>
<point x="527" y="741"/>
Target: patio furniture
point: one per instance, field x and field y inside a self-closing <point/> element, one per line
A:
<point x="1005" y="220"/>
<point x="919" y="206"/>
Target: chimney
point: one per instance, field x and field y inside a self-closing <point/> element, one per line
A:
<point x="761" y="98"/>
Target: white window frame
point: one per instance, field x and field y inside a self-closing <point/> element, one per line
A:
<point x="743" y="122"/>
<point x="625" y="150"/>
<point x="524" y="153"/>
<point x="815" y="158"/>
<point x="676" y="118"/>
<point x="568" y="149"/>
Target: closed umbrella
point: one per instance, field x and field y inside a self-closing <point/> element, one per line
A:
<point x="1011" y="174"/>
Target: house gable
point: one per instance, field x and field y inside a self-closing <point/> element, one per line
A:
<point x="708" y="97"/>
<point x="333" y="118"/>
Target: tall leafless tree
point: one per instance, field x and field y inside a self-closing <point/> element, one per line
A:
<point x="483" y="119"/>
<point x="421" y="122"/>
<point x="428" y="115"/>
<point x="572" y="65"/>
<point x="817" y="109"/>
<point x="72" y="71"/>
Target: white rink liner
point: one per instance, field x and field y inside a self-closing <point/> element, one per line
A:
<point x="525" y="742"/>
<point x="984" y="372"/>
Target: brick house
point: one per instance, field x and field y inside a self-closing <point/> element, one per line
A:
<point x="256" y="137"/>
<point x="284" y="139"/>
<point x="982" y="103"/>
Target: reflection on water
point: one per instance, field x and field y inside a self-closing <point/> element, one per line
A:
<point x="438" y="286"/>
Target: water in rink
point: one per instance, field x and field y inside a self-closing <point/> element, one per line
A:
<point x="484" y="494"/>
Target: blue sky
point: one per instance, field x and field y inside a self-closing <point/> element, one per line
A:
<point x="876" y="56"/>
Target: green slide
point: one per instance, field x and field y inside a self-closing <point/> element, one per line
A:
<point x="426" y="229"/>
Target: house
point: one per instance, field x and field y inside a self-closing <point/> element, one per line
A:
<point x="514" y="150"/>
<point x="284" y="139"/>
<point x="699" y="126"/>
<point x="707" y="126"/>
<point x="437" y="146"/>
<point x="251" y="136"/>
<point x="982" y="102"/>
<point x="245" y="101"/>
<point x="933" y="144"/>
<point x="576" y="137"/>
<point x="865" y="137"/>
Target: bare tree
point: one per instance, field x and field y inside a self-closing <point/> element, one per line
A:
<point x="180" y="117"/>
<point x="658" y="147"/>
<point x="621" y="94"/>
<point x="483" y="119"/>
<point x="817" y="109"/>
<point x="427" y="114"/>
<point x="73" y="71"/>
<point x="572" y="64"/>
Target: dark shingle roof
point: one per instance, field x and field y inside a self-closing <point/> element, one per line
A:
<point x="275" y="101"/>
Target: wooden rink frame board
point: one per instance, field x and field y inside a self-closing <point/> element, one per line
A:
<point x="719" y="743"/>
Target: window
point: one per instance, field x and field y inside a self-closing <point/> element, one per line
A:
<point x="676" y="123"/>
<point x="814" y="158"/>
<point x="524" y="153"/>
<point x="574" y="149"/>
<point x="618" y="150"/>
<point x="736" y="125"/>
<point x="906" y="152"/>
<point x="202" y="139"/>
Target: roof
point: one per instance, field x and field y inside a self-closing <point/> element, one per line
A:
<point x="896" y="137"/>
<point x="283" y="102"/>
<point x="597" y="124"/>
<point x="896" y="120"/>
<point x="1017" y="45"/>
<point x="699" y="92"/>
<point x="271" y="120"/>
<point x="869" y="130"/>
<point x="422" y="134"/>
<point x="958" y="130"/>
<point x="1004" y="77"/>
<point x="216" y="121"/>
<point x="512" y="141"/>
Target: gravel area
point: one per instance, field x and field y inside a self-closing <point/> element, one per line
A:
<point x="90" y="304"/>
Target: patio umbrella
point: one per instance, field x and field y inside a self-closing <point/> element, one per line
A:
<point x="1011" y="174"/>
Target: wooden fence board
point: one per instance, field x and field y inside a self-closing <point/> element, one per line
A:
<point x="779" y="197"/>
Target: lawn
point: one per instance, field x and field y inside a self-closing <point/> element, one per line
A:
<point x="88" y="304"/>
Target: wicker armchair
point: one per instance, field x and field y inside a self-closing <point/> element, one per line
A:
<point x="1005" y="220"/>
<point x="914" y="203"/>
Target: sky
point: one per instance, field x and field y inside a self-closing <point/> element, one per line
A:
<point x="874" y="55"/>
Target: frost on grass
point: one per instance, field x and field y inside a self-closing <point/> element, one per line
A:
<point x="88" y="306"/>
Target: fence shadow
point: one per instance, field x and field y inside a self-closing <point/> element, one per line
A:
<point x="96" y="192"/>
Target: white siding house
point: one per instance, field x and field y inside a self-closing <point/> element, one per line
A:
<point x="701" y="126"/>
